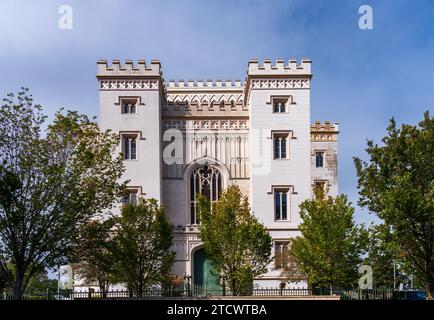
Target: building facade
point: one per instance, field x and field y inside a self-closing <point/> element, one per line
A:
<point x="179" y="138"/>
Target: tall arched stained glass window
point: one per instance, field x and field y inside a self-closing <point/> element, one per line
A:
<point x="206" y="180"/>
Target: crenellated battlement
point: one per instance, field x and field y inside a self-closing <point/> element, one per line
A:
<point x="128" y="68"/>
<point x="326" y="126"/>
<point x="191" y="84"/>
<point x="279" y="67"/>
<point x="324" y="131"/>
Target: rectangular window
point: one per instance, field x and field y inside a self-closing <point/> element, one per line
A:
<point x="280" y="145"/>
<point x="130" y="198"/>
<point x="281" y="204"/>
<point x="319" y="159"/>
<point x="129" y="147"/>
<point x="279" y="105"/>
<point x="281" y="253"/>
<point x="128" y="106"/>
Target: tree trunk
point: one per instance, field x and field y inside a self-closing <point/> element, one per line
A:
<point x="103" y="288"/>
<point x="233" y="287"/>
<point x="18" y="285"/>
<point x="429" y="279"/>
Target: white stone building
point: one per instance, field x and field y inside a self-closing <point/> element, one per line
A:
<point x="180" y="138"/>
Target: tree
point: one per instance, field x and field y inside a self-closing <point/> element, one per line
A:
<point x="142" y="241"/>
<point x="51" y="181"/>
<point x="291" y="266"/>
<point x="397" y="183"/>
<point x="328" y="252"/>
<point x="40" y="283"/>
<point x="93" y="254"/>
<point x="238" y="246"/>
<point x="384" y="257"/>
<point x="2" y="282"/>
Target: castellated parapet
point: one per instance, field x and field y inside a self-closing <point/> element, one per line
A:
<point x="279" y="67"/>
<point x="128" y="68"/>
<point x="325" y="127"/>
<point x="324" y="131"/>
<point x="191" y="84"/>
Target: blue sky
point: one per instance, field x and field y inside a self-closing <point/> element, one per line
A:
<point x="361" y="77"/>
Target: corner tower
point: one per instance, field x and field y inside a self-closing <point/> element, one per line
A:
<point x="130" y="102"/>
<point x="278" y="98"/>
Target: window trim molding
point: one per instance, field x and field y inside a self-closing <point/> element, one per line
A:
<point x="288" y="97"/>
<point x="289" y="135"/>
<point x="138" y="133"/>
<point x="323" y="151"/>
<point x="290" y="192"/>
<point x="314" y="151"/>
<point x="138" y="136"/>
<point x="289" y="101"/>
<point x="327" y="182"/>
<point x="282" y="186"/>
<point x="275" y="241"/>
<point x="138" y="98"/>
<point x="137" y="189"/>
<point x="138" y="102"/>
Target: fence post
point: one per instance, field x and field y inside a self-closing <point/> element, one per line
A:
<point x="281" y="286"/>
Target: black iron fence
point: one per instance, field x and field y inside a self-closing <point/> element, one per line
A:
<point x="202" y="292"/>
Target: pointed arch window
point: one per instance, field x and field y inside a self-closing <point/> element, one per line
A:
<point x="208" y="181"/>
<point x="319" y="159"/>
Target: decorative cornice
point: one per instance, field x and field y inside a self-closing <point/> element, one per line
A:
<point x="280" y="83"/>
<point x="207" y="85"/>
<point x="326" y="137"/>
<point x="201" y="98"/>
<point x="205" y="124"/>
<point x="121" y="85"/>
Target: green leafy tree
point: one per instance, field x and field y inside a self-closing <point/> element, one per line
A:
<point x="51" y="181"/>
<point x="397" y="183"/>
<point x="291" y="266"/>
<point x="40" y="283"/>
<point x="384" y="257"/>
<point x="238" y="246"/>
<point x="93" y="254"/>
<point x="2" y="282"/>
<point x="142" y="246"/>
<point x="328" y="252"/>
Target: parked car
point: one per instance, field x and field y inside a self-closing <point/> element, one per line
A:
<point x="409" y="295"/>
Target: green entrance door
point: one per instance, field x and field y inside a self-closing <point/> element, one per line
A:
<point x="205" y="281"/>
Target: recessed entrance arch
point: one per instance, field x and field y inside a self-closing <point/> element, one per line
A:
<point x="204" y="278"/>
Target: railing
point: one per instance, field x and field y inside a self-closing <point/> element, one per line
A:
<point x="367" y="294"/>
<point x="203" y="291"/>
